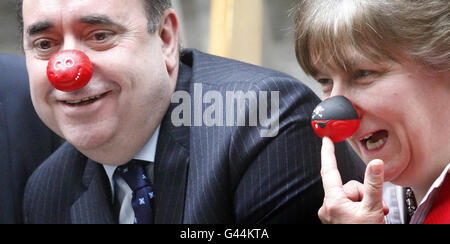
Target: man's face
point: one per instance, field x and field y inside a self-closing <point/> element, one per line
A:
<point x="133" y="80"/>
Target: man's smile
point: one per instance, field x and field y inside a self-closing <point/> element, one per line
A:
<point x="83" y="101"/>
<point x="86" y="107"/>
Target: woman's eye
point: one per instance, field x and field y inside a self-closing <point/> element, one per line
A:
<point x="365" y="77"/>
<point x="325" y="82"/>
<point x="364" y="73"/>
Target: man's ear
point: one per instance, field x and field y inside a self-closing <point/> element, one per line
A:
<point x="169" y="32"/>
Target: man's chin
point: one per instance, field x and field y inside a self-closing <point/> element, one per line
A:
<point x="87" y="142"/>
<point x="101" y="151"/>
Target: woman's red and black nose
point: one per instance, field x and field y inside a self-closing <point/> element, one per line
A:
<point x="335" y="118"/>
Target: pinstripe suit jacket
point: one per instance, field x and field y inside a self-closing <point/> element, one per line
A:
<point x="25" y="141"/>
<point x="207" y="174"/>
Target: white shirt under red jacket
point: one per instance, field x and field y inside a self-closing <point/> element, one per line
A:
<point x="434" y="208"/>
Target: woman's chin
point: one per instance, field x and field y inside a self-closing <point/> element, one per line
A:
<point x="395" y="172"/>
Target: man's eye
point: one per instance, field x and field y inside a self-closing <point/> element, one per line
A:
<point x="101" y="40"/>
<point x="101" y="36"/>
<point x="43" y="45"/>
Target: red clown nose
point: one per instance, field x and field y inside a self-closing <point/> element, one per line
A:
<point x="335" y="118"/>
<point x="69" y="70"/>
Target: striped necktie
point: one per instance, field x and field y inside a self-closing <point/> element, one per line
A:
<point x="134" y="175"/>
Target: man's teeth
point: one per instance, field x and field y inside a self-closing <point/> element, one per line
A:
<point x="375" y="145"/>
<point x="83" y="100"/>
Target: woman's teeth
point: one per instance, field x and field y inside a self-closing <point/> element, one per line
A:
<point x="375" y="145"/>
<point x="375" y="140"/>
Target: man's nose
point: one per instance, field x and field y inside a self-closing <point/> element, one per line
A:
<point x="69" y="70"/>
<point x="70" y="43"/>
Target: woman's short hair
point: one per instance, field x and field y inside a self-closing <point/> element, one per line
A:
<point x="328" y="30"/>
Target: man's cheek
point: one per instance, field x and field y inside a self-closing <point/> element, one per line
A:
<point x="47" y="114"/>
<point x="39" y="90"/>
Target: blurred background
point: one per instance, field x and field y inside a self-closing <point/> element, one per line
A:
<point x="260" y="32"/>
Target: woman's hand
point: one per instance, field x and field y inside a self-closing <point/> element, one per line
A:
<point x="353" y="203"/>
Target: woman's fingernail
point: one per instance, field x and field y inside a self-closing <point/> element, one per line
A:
<point x="377" y="167"/>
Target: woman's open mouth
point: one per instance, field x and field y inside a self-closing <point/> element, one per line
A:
<point x="375" y="140"/>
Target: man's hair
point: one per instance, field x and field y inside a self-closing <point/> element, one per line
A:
<point x="327" y="31"/>
<point x="154" y="9"/>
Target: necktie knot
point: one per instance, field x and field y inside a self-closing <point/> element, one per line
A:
<point x="134" y="174"/>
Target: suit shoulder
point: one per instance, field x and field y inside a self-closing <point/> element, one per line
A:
<point x="11" y="61"/>
<point x="63" y="162"/>
<point x="219" y="71"/>
<point x="50" y="187"/>
<point x="14" y="78"/>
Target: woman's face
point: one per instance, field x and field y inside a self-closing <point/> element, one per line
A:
<point x="404" y="115"/>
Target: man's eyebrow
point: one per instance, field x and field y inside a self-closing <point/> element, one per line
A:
<point x="98" y="20"/>
<point x="39" y="27"/>
<point x="42" y="26"/>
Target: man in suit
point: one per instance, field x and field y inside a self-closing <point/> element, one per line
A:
<point x="25" y="141"/>
<point x="196" y="171"/>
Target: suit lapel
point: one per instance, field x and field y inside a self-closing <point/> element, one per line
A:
<point x="94" y="204"/>
<point x="171" y="170"/>
<point x="8" y="205"/>
<point x="172" y="163"/>
<point x="3" y="137"/>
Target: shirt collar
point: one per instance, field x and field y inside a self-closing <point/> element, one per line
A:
<point x="396" y="200"/>
<point x="437" y="183"/>
<point x="427" y="202"/>
<point x="148" y="153"/>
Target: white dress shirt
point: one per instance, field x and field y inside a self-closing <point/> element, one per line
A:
<point x="121" y="189"/>
<point x="394" y="197"/>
